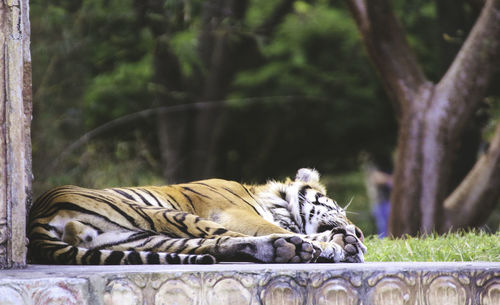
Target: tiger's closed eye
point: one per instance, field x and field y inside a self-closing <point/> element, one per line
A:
<point x="325" y="227"/>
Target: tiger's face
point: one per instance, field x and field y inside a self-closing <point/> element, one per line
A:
<point x="313" y="211"/>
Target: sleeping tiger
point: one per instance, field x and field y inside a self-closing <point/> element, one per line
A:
<point x="201" y="222"/>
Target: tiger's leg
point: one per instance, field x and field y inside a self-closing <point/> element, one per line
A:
<point x="46" y="247"/>
<point x="173" y="231"/>
<point x="235" y="246"/>
<point x="179" y="223"/>
<point x="275" y="248"/>
<point x="341" y="244"/>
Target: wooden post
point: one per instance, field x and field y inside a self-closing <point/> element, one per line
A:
<point x="15" y="141"/>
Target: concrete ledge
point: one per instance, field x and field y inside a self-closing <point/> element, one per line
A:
<point x="234" y="284"/>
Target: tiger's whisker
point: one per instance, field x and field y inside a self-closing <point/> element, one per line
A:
<point x="348" y="204"/>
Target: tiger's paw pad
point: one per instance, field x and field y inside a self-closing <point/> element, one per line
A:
<point x="353" y="249"/>
<point x="344" y="248"/>
<point x="295" y="250"/>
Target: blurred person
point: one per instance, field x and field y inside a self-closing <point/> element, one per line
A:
<point x="379" y="186"/>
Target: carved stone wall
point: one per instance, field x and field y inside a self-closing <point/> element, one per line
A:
<point x="253" y="284"/>
<point x="15" y="118"/>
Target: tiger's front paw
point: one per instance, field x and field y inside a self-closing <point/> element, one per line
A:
<point x="294" y="249"/>
<point x="344" y="247"/>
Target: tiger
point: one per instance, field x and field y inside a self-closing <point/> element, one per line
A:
<point x="200" y="222"/>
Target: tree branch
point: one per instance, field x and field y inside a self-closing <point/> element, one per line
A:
<point x="219" y="42"/>
<point x="125" y="120"/>
<point x="466" y="81"/>
<point x="167" y="75"/>
<point x="281" y="10"/>
<point x="385" y="41"/>
<point x="128" y="119"/>
<point x="473" y="200"/>
<point x="462" y="89"/>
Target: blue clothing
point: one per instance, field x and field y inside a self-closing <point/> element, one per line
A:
<point x="381" y="212"/>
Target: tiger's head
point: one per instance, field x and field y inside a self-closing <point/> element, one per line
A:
<point x="305" y="208"/>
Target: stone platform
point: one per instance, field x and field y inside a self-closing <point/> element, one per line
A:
<point x="235" y="284"/>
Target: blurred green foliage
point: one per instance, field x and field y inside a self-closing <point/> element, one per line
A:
<point x="303" y="95"/>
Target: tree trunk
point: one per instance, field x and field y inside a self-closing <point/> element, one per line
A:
<point x="454" y="22"/>
<point x="432" y="120"/>
<point x="219" y="44"/>
<point x="172" y="128"/>
<point x="224" y="50"/>
<point x="480" y="186"/>
<point x="188" y="141"/>
<point x="462" y="90"/>
<point x="15" y="142"/>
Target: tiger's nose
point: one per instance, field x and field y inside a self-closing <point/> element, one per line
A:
<point x="359" y="234"/>
<point x="352" y="229"/>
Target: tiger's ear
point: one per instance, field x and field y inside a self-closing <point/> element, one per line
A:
<point x="307" y="175"/>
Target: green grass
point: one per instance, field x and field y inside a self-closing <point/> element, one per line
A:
<point x="453" y="247"/>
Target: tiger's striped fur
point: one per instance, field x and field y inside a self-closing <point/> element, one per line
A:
<point x="199" y="222"/>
